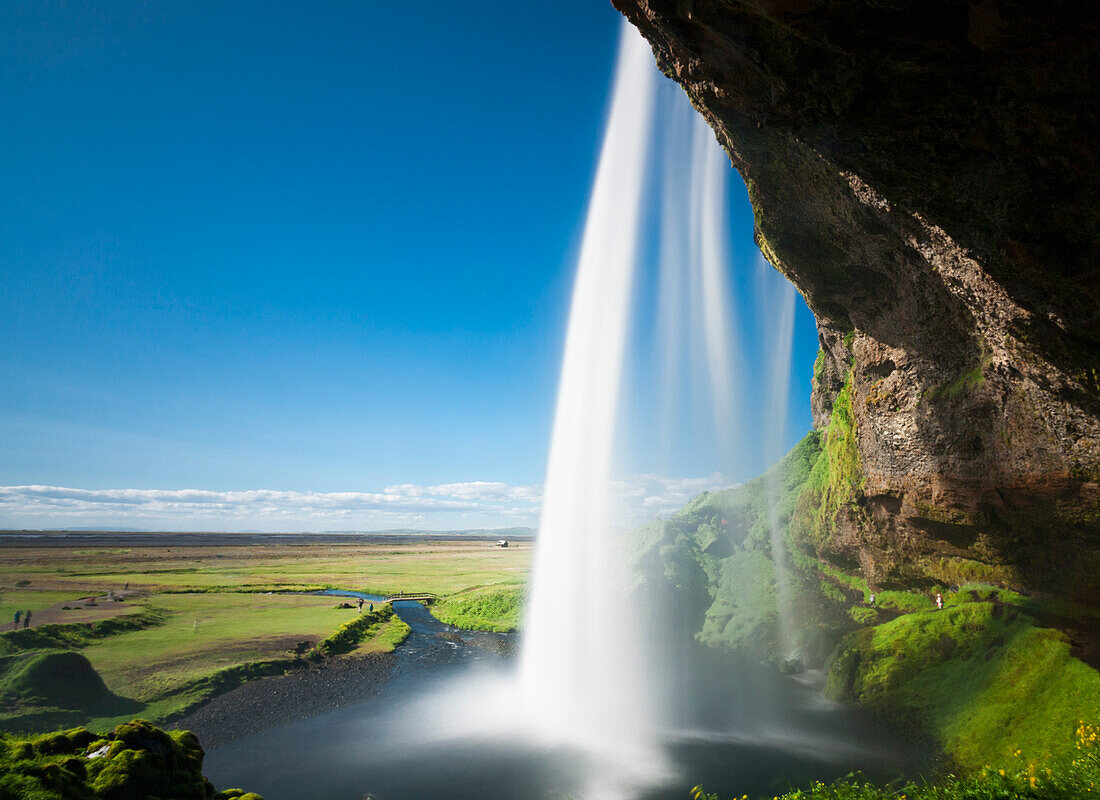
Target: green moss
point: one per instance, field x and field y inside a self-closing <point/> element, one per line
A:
<point x="831" y="592"/>
<point x="834" y="481"/>
<point x="964" y="383"/>
<point x="862" y="615"/>
<point x="956" y="571"/>
<point x="981" y="677"/>
<point x="140" y="762"/>
<point x="905" y="602"/>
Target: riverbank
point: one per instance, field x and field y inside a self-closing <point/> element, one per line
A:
<point x="313" y="690"/>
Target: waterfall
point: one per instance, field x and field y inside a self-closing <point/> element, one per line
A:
<point x="581" y="680"/>
<point x="587" y="678"/>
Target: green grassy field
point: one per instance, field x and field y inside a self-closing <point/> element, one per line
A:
<point x="210" y="617"/>
<point x="207" y="632"/>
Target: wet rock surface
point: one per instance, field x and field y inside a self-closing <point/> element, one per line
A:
<point x="925" y="173"/>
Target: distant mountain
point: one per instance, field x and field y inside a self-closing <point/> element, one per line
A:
<point x="102" y="529"/>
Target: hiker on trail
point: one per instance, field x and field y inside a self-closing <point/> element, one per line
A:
<point x="372" y="608"/>
<point x="18" y="614"/>
<point x="872" y="599"/>
<point x="27" y="620"/>
<point x="939" y="601"/>
<point x="360" y="605"/>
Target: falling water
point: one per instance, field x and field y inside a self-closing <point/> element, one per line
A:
<point x="580" y="675"/>
<point x="778" y="400"/>
<point x="695" y="323"/>
<point x="584" y="679"/>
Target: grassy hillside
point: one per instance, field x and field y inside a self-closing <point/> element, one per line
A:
<point x="991" y="674"/>
<point x="497" y="608"/>
<point x="980" y="675"/>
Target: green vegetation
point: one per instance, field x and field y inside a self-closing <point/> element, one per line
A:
<point x="76" y="634"/>
<point x="980" y="676"/>
<point x="497" y="608"/>
<point x="352" y="633"/>
<point x="715" y="555"/>
<point x="1074" y="776"/>
<point x="964" y="383"/>
<point x="387" y="638"/>
<point x="206" y="633"/>
<point x="983" y="677"/>
<point x="833" y="480"/>
<point x="136" y="761"/>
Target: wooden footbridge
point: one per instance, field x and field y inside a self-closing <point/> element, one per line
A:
<point x="418" y="596"/>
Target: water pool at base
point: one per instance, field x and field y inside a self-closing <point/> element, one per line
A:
<point x="445" y="728"/>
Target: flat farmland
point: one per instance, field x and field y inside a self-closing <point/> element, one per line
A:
<point x="442" y="567"/>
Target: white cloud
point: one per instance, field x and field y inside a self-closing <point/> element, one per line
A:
<point x="471" y="504"/>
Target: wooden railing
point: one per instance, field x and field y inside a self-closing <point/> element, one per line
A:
<point x="420" y="596"/>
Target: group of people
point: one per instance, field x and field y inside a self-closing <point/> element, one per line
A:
<point x="361" y="606"/>
<point x="26" y="615"/>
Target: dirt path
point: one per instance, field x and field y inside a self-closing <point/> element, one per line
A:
<point x="88" y="609"/>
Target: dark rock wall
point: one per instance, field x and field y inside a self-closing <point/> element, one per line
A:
<point x="926" y="174"/>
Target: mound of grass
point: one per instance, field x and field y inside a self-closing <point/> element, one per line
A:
<point x="980" y="676"/>
<point x="497" y="608"/>
<point x="387" y="638"/>
<point x="54" y="687"/>
<point x="136" y="761"/>
<point x="356" y="630"/>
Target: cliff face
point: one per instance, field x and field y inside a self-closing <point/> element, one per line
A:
<point x="926" y="173"/>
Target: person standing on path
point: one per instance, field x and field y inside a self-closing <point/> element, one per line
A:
<point x="360" y="605"/>
<point x="27" y="620"/>
<point x="18" y="614"/>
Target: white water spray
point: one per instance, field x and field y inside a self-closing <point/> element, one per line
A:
<point x="581" y="676"/>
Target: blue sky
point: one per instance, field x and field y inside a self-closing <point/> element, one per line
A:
<point x="260" y="246"/>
